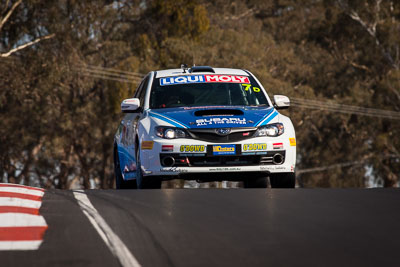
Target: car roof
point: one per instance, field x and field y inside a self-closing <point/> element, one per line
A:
<point x="217" y="71"/>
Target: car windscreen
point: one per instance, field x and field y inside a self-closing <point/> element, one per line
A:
<point x="206" y="90"/>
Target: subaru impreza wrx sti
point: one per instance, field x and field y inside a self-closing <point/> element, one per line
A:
<point x="204" y="124"/>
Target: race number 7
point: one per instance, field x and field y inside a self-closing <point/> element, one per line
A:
<point x="248" y="86"/>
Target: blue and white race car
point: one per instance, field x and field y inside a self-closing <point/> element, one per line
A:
<point x="204" y="124"/>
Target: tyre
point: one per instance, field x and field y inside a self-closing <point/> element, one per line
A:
<point x="119" y="181"/>
<point x="151" y="182"/>
<point x="255" y="182"/>
<point x="282" y="180"/>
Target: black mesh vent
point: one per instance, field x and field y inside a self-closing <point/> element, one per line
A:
<point x="210" y="135"/>
<point x="201" y="69"/>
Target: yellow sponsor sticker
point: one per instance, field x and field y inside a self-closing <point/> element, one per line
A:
<point x="147" y="145"/>
<point x="193" y="148"/>
<point x="254" y="147"/>
<point x="248" y="86"/>
<point x="223" y="149"/>
<point x="292" y="141"/>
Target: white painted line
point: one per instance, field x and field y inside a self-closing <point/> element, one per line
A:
<point x="20" y="220"/>
<point x="19" y="202"/>
<point x="113" y="242"/>
<point x="22" y="191"/>
<point x="20" y="245"/>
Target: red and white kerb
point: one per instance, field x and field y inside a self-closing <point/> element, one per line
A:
<point x="21" y="225"/>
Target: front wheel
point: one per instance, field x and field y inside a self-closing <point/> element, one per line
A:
<point x="151" y="182"/>
<point x="282" y="180"/>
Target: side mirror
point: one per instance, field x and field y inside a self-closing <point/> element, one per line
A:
<point x="281" y="101"/>
<point x="130" y="105"/>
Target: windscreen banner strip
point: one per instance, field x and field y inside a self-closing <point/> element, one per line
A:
<point x="204" y="79"/>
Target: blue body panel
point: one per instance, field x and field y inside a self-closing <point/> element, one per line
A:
<point x="127" y="162"/>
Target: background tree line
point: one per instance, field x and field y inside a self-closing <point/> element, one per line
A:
<point x="60" y="95"/>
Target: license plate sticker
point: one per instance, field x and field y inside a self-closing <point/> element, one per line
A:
<point x="224" y="150"/>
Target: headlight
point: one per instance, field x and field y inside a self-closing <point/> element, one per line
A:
<point x="274" y="129"/>
<point x="170" y="132"/>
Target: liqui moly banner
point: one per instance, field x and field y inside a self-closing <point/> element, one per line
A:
<point x="204" y="79"/>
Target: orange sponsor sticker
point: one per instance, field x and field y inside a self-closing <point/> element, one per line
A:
<point x="147" y="145"/>
<point x="292" y="141"/>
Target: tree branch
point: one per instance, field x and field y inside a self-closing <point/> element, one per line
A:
<point x="26" y="45"/>
<point x="244" y="14"/>
<point x="371" y="29"/>
<point x="4" y="20"/>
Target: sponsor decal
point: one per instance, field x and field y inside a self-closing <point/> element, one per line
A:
<point x="227" y="78"/>
<point x="224" y="169"/>
<point x="273" y="168"/>
<point x="192" y="154"/>
<point x="173" y="169"/>
<point x="278" y="145"/>
<point x="216" y="121"/>
<point x="292" y="141"/>
<point x="266" y="168"/>
<point x="224" y="150"/>
<point x="279" y="168"/>
<point x="255" y="153"/>
<point x="167" y="148"/>
<point x="192" y="148"/>
<point x="182" y="80"/>
<point x="248" y="87"/>
<point x="204" y="79"/>
<point x="147" y="145"/>
<point x="254" y="147"/>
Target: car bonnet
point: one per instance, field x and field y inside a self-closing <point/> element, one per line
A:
<point x="215" y="117"/>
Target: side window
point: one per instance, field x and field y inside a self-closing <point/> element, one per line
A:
<point x="142" y="92"/>
<point x="139" y="89"/>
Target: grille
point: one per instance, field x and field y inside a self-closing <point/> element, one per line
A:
<point x="266" y="160"/>
<point x="203" y="160"/>
<point x="209" y="135"/>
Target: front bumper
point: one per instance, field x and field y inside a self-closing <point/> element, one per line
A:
<point x="202" y="159"/>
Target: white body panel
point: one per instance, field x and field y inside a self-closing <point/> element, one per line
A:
<point x="151" y="164"/>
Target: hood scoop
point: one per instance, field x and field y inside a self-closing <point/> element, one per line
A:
<point x="218" y="112"/>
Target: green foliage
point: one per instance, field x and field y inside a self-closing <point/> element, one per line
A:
<point x="178" y="18"/>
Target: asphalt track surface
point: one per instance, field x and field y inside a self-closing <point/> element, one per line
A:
<point x="223" y="227"/>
